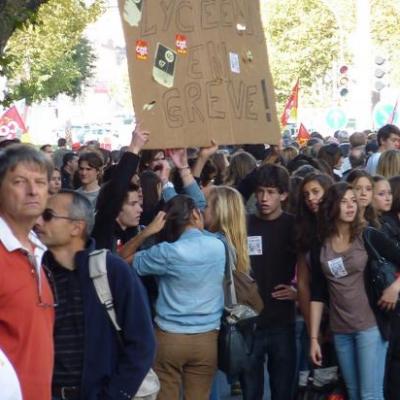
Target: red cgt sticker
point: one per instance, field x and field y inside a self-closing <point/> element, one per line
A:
<point x="181" y="44"/>
<point x="142" y="50"/>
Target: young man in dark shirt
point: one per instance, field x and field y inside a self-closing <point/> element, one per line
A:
<point x="273" y="260"/>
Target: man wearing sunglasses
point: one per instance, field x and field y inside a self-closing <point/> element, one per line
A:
<point x="26" y="300"/>
<point x="91" y="360"/>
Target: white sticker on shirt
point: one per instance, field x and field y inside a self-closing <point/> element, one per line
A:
<point x="255" y="245"/>
<point x="337" y="267"/>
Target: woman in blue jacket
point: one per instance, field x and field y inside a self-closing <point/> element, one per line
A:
<point x="189" y="265"/>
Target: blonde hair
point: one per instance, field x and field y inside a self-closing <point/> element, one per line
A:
<point x="389" y="164"/>
<point x="229" y="218"/>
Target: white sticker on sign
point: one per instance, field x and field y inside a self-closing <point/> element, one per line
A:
<point x="234" y="61"/>
<point x="337" y="267"/>
<point x="255" y="245"/>
<point x="133" y="12"/>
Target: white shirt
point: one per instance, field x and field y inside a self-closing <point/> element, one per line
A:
<point x="372" y="163"/>
<point x="11" y="243"/>
<point x="9" y="384"/>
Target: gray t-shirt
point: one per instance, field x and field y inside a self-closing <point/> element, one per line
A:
<point x="91" y="196"/>
<point x="349" y="307"/>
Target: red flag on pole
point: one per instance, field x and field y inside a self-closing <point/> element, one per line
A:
<point x="303" y="135"/>
<point x="290" y="110"/>
<point x="394" y="112"/>
<point x="11" y="124"/>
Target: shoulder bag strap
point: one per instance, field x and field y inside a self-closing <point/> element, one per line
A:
<point x="98" y="274"/>
<point x="370" y="248"/>
<point x="230" y="295"/>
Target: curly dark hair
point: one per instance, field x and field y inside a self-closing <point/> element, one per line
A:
<point x="329" y="212"/>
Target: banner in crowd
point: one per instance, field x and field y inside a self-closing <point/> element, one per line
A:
<point x="303" y="136"/>
<point x="198" y="71"/>
<point x="290" y="110"/>
<point x="11" y="124"/>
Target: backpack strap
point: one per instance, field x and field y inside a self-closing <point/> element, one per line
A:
<point x="98" y="274"/>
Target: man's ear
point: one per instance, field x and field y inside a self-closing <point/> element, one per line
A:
<point x="79" y="228"/>
<point x="283" y="196"/>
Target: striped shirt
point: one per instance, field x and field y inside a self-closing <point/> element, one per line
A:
<point x="69" y="328"/>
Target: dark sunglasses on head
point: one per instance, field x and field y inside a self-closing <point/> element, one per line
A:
<point x="48" y="215"/>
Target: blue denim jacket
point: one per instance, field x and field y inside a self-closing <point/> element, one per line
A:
<point x="190" y="275"/>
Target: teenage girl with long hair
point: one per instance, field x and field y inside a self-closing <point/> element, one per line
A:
<point x="363" y="185"/>
<point x="382" y="197"/>
<point x="339" y="267"/>
<point x="226" y="214"/>
<point x="311" y="190"/>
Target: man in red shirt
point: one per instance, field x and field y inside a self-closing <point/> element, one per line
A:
<point x="26" y="299"/>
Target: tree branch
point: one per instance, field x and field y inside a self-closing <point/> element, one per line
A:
<point x="12" y="14"/>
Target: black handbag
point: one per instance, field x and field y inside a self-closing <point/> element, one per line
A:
<point x="235" y="340"/>
<point x="381" y="272"/>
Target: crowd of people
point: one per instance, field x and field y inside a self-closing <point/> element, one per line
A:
<point x="294" y="218"/>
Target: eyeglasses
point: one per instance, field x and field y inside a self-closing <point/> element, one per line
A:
<point x="48" y="215"/>
<point x="52" y="284"/>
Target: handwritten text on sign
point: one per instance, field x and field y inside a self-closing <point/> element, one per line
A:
<point x="207" y="70"/>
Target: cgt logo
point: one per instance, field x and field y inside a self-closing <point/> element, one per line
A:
<point x="142" y="50"/>
<point x="181" y="44"/>
<point x="9" y="129"/>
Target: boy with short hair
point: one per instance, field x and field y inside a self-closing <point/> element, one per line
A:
<point x="273" y="261"/>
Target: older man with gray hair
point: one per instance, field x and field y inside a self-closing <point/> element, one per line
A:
<point x="26" y="300"/>
<point x="92" y="360"/>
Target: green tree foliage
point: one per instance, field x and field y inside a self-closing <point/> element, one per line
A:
<point x="49" y="56"/>
<point x="303" y="42"/>
<point x="309" y="39"/>
<point x="12" y="14"/>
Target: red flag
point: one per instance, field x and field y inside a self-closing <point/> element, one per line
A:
<point x="303" y="135"/>
<point x="291" y="105"/>
<point x="394" y="112"/>
<point x="11" y="124"/>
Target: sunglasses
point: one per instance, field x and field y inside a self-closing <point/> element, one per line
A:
<point x="48" y="215"/>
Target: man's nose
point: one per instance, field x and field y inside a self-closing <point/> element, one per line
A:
<point x="32" y="187"/>
<point x="39" y="222"/>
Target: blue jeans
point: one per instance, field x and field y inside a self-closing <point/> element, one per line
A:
<point x="362" y="357"/>
<point x="303" y="347"/>
<point x="279" y="345"/>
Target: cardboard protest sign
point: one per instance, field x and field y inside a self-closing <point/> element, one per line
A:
<point x="199" y="71"/>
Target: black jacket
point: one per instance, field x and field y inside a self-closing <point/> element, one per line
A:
<point x="110" y="200"/>
<point x="109" y="371"/>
